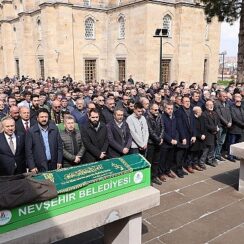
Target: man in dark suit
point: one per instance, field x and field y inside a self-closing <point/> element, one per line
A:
<point x="43" y="145"/>
<point x="107" y="112"/>
<point x="187" y="136"/>
<point x="12" y="150"/>
<point x="24" y="123"/>
<point x="95" y="138"/>
<point x="119" y="136"/>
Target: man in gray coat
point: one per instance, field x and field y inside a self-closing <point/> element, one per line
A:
<point x="73" y="148"/>
<point x="222" y="109"/>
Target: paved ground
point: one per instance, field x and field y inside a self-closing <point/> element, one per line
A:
<point x="204" y="207"/>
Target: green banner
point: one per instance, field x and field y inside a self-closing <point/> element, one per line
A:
<point x="69" y="179"/>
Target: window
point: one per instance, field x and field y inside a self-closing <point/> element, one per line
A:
<point x="166" y="70"/>
<point x="89" y="28"/>
<point x="167" y="24"/>
<point x="39" y="29"/>
<point x="121" y="65"/>
<point x="42" y="70"/>
<point x="86" y="2"/>
<point x="90" y="70"/>
<point x="121" y="27"/>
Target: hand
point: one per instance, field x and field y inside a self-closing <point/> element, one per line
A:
<point x="77" y="159"/>
<point x="193" y="139"/>
<point x="229" y="125"/>
<point x="184" y="141"/>
<point x="125" y="150"/>
<point x="102" y="155"/>
<point x="59" y="166"/>
<point x="203" y="137"/>
<point x="35" y="170"/>
<point x="145" y="147"/>
<point x="217" y="128"/>
<point x="161" y="142"/>
<point x="173" y="142"/>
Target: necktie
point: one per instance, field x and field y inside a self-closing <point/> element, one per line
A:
<point x="11" y="144"/>
<point x="26" y="125"/>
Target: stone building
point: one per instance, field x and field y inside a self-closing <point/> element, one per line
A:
<point x="108" y="39"/>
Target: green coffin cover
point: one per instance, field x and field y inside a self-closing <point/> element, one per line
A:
<point x="81" y="186"/>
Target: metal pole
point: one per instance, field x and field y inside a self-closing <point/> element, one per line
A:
<point x="160" y="63"/>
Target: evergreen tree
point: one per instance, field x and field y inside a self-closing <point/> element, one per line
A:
<point x="229" y="11"/>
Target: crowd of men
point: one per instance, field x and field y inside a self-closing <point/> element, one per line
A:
<point x="179" y="128"/>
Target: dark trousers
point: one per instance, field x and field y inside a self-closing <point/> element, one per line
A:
<point x="167" y="160"/>
<point x="207" y="155"/>
<point x="195" y="157"/>
<point x="233" y="139"/>
<point x="153" y="156"/>
<point x="180" y="157"/>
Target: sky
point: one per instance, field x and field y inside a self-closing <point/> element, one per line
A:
<point x="229" y="38"/>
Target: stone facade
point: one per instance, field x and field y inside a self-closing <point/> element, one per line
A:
<point x="52" y="34"/>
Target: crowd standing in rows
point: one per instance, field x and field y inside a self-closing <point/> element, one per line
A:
<point x="57" y="123"/>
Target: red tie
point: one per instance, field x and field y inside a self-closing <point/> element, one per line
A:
<point x="26" y="125"/>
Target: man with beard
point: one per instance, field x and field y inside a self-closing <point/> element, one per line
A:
<point x="108" y="110"/>
<point x="119" y="136"/>
<point x="156" y="131"/>
<point x="43" y="145"/>
<point x="95" y="138"/>
<point x="35" y="102"/>
<point x="14" y="113"/>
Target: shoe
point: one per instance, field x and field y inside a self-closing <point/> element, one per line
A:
<point x="171" y="175"/>
<point x="197" y="167"/>
<point x="190" y="169"/>
<point x="232" y="160"/>
<point x="184" y="172"/>
<point x="220" y="159"/>
<point x="203" y="166"/>
<point x="215" y="161"/>
<point x="179" y="174"/>
<point x="156" y="181"/>
<point x="212" y="164"/>
<point x="162" y="178"/>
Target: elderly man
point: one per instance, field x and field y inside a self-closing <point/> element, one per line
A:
<point x="119" y="136"/>
<point x="79" y="110"/>
<point x="73" y="148"/>
<point x="43" y="145"/>
<point x="14" y="112"/>
<point x="12" y="149"/>
<point x="55" y="114"/>
<point x="24" y="123"/>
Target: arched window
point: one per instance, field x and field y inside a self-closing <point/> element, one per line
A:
<point x="167" y="24"/>
<point x="121" y="27"/>
<point x="39" y="29"/>
<point x="89" y="28"/>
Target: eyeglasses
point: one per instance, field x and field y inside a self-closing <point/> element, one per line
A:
<point x="102" y="100"/>
<point x="57" y="106"/>
<point x="156" y="110"/>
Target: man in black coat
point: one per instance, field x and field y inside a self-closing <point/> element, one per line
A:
<point x="170" y="137"/>
<point x="43" y="145"/>
<point x="236" y="131"/>
<point x="155" y="140"/>
<point x="211" y="121"/>
<point x="95" y="138"/>
<point x="12" y="149"/>
<point x="108" y="111"/>
<point x="119" y="136"/>
<point x="24" y="123"/>
<point x="187" y="136"/>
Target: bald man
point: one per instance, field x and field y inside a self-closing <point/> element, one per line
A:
<point x="56" y="115"/>
<point x="14" y="112"/>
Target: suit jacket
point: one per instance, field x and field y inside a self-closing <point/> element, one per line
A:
<point x="238" y="120"/>
<point x="19" y="127"/>
<point x="186" y="130"/>
<point x="107" y="115"/>
<point x="10" y="163"/>
<point x="35" y="148"/>
<point x="94" y="141"/>
<point x="118" y="139"/>
<point x="223" y="112"/>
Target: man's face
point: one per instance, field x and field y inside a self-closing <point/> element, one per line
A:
<point x="223" y="97"/>
<point x="90" y="107"/>
<point x="8" y="126"/>
<point x="42" y="119"/>
<point x="69" y="124"/>
<point x="74" y="95"/>
<point x="238" y="99"/>
<point x="28" y="98"/>
<point x="17" y="96"/>
<point x="119" y="116"/>
<point x="138" y="112"/>
<point x="56" y="106"/>
<point x="68" y="96"/>
<point x="94" y="118"/>
<point x="36" y="102"/>
<point x="169" y="109"/>
<point x="80" y="104"/>
<point x="145" y="104"/>
<point x="131" y="106"/>
<point x="186" y="102"/>
<point x="11" y="102"/>
<point x="110" y="104"/>
<point x="64" y="103"/>
<point x="154" y="110"/>
<point x="198" y="112"/>
<point x="196" y="97"/>
<point x="25" y="113"/>
<point x="14" y="113"/>
<point x="125" y="100"/>
<point x="1" y="105"/>
<point x="209" y="105"/>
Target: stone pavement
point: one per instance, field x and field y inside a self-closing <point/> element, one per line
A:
<point x="204" y="207"/>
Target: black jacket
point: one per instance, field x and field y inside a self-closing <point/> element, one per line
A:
<point x="224" y="113"/>
<point x="211" y="121"/>
<point x="19" y="127"/>
<point x="107" y="115"/>
<point x="155" y="128"/>
<point x="10" y="163"/>
<point x="35" y="148"/>
<point x="118" y="138"/>
<point x="94" y="141"/>
<point x="237" y="120"/>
